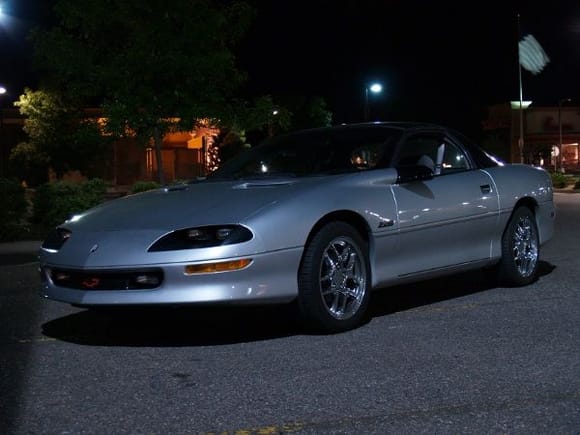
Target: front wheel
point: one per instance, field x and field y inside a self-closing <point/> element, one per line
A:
<point x="520" y="249"/>
<point x="334" y="279"/>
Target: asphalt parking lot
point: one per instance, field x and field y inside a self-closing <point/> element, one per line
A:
<point x="454" y="355"/>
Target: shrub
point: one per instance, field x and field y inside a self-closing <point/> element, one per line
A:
<point x="577" y="185"/>
<point x="559" y="180"/>
<point x="13" y="212"/>
<point x="143" y="186"/>
<point x="55" y="202"/>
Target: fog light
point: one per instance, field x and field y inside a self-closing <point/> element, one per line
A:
<point x="223" y="266"/>
<point x="151" y="280"/>
<point x="61" y="276"/>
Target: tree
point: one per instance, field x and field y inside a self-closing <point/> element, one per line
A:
<point x="268" y="116"/>
<point x="283" y="113"/>
<point x="262" y="118"/>
<point x="29" y="164"/>
<point x="265" y="114"/>
<point x="154" y="66"/>
<point x="308" y="112"/>
<point x="60" y="135"/>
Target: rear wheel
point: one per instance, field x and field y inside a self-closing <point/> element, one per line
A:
<point x="520" y="249"/>
<point x="334" y="279"/>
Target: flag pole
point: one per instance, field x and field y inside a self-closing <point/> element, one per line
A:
<point x="521" y="138"/>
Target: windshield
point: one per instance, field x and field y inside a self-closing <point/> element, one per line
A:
<point x="314" y="152"/>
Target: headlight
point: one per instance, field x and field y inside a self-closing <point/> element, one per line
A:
<point x="202" y="237"/>
<point x="56" y="239"/>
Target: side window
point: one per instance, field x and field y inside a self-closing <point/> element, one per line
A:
<point x="454" y="159"/>
<point x="435" y="152"/>
<point x="420" y="149"/>
<point x="366" y="156"/>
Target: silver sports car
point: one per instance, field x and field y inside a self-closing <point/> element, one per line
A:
<point x="319" y="217"/>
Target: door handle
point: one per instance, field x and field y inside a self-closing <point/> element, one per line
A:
<point x="485" y="188"/>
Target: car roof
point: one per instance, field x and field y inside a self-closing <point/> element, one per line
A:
<point x="479" y="157"/>
<point x="398" y="125"/>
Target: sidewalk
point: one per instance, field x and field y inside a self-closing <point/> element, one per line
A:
<point x="568" y="189"/>
<point x="20" y="252"/>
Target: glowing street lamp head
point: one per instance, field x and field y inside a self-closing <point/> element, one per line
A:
<point x="376" y="88"/>
<point x="2" y="90"/>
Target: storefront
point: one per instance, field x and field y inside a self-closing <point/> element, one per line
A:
<point x="551" y="135"/>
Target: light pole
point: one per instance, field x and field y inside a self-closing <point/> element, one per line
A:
<point x="271" y="118"/>
<point x="375" y="88"/>
<point x="559" y="157"/>
<point x="2" y="92"/>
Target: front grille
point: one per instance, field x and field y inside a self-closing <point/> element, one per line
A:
<point x="144" y="279"/>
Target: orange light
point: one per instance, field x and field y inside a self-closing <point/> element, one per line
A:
<point x="223" y="266"/>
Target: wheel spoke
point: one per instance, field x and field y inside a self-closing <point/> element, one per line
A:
<point x="344" y="298"/>
<point x="329" y="261"/>
<point x="351" y="262"/>
<point x="345" y="256"/>
<point x="336" y="253"/>
<point x="329" y="291"/>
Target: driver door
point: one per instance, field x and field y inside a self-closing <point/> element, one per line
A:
<point x="448" y="220"/>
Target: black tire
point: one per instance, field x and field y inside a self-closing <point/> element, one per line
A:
<point x="520" y="249"/>
<point x="334" y="279"/>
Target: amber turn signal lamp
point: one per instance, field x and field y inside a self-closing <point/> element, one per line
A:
<point x="222" y="266"/>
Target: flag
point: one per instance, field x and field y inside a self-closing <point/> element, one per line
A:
<point x="532" y="55"/>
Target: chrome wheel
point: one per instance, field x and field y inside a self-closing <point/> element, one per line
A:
<point x="525" y="246"/>
<point x="334" y="279"/>
<point x="520" y="249"/>
<point x="342" y="278"/>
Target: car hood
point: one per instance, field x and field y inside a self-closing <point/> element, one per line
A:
<point x="181" y="206"/>
<point x="119" y="233"/>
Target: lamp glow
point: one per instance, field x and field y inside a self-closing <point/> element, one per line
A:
<point x="375" y="88"/>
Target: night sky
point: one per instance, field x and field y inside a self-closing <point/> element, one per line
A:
<point x="438" y="61"/>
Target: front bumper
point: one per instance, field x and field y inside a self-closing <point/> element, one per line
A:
<point x="271" y="277"/>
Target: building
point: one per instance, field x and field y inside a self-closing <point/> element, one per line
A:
<point x="544" y="130"/>
<point x="185" y="155"/>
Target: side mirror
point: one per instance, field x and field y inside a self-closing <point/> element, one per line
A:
<point x="408" y="174"/>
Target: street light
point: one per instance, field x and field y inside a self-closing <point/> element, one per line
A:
<point x="559" y="157"/>
<point x="375" y="88"/>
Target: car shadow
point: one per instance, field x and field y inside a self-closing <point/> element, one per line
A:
<point x="223" y="325"/>
<point x="174" y="326"/>
<point x="405" y="297"/>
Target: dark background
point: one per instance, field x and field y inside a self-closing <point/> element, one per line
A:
<point x="439" y="61"/>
